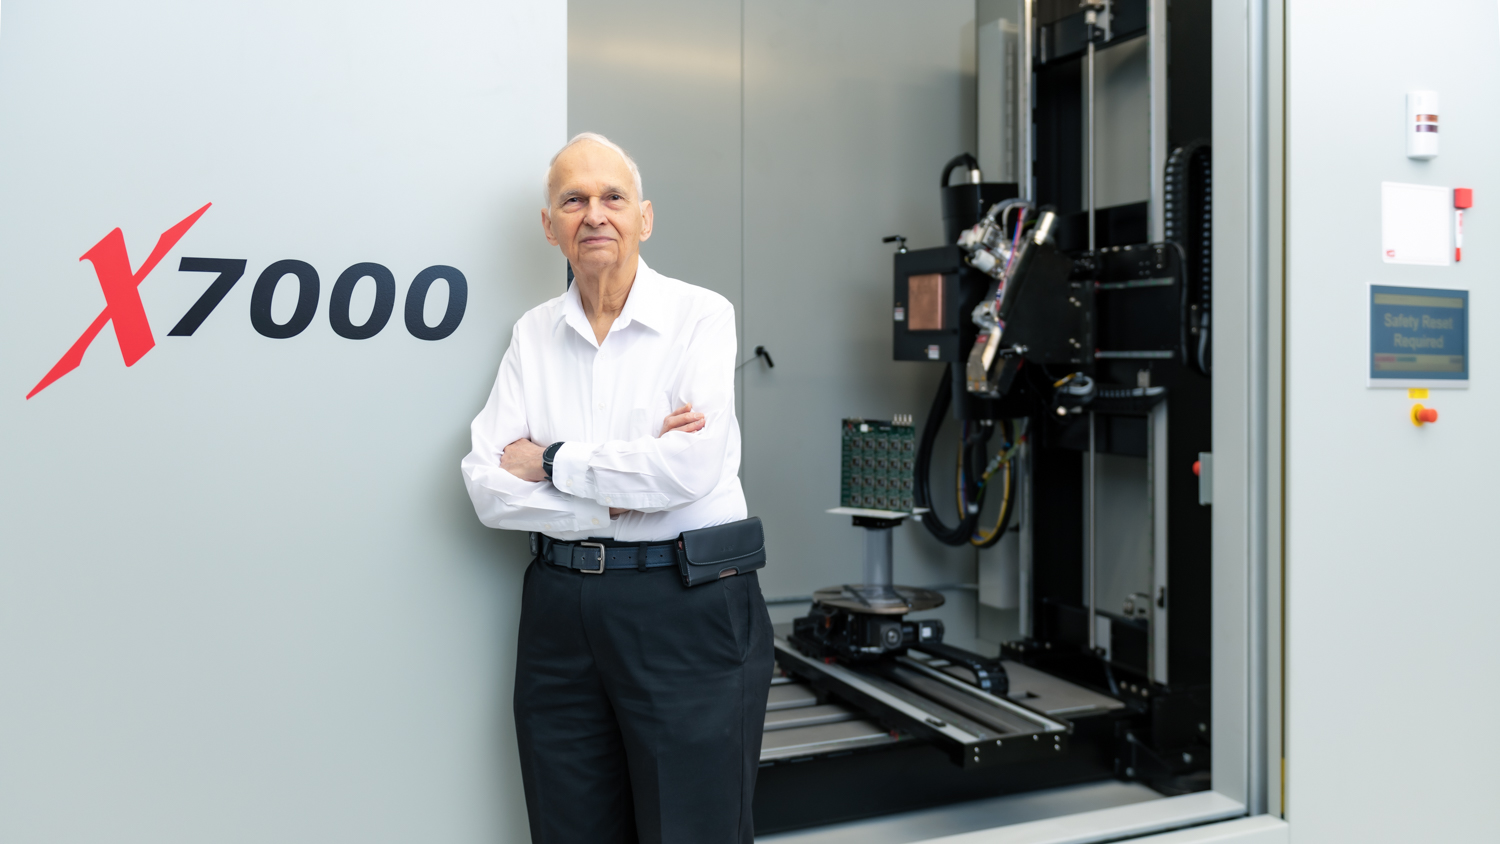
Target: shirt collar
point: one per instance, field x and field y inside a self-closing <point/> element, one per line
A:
<point x="642" y="305"/>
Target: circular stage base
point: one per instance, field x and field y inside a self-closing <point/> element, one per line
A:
<point x="880" y="600"/>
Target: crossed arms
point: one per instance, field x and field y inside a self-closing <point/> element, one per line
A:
<point x="523" y="458"/>
<point x="668" y="468"/>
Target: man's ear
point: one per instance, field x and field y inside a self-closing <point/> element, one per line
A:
<point x="547" y="227"/>
<point x="648" y="217"/>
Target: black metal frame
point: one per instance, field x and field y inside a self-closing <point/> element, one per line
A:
<point x="1164" y="740"/>
<point x="1162" y="736"/>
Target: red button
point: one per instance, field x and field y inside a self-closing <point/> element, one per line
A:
<point x="1428" y="414"/>
<point x="1198" y="468"/>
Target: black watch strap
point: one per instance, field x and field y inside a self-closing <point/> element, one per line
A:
<point x="548" y="456"/>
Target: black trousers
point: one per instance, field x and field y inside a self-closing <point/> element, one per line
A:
<point x="640" y="705"/>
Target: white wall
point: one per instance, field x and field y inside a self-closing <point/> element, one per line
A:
<point x="1391" y="571"/>
<point x="779" y="142"/>
<point x="851" y="111"/>
<point x="243" y="596"/>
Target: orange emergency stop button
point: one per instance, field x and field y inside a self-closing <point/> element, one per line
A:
<point x="1422" y="415"/>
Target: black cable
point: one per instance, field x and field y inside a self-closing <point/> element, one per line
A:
<point x="1188" y="214"/>
<point x="964" y="160"/>
<point x="1182" y="310"/>
<point x="922" y="494"/>
<point x="975" y="457"/>
<point x="1205" y="254"/>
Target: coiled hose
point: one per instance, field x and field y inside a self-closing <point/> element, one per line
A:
<point x="960" y="533"/>
<point x="972" y="476"/>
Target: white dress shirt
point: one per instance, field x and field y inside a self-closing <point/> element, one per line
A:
<point x="672" y="344"/>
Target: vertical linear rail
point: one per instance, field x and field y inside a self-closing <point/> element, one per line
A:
<point x="1023" y="485"/>
<point x="1088" y="136"/>
<point x="1024" y="82"/>
<point x="1157" y="431"/>
<point x="1156" y="62"/>
<point x="1092" y="547"/>
<point x="1258" y="162"/>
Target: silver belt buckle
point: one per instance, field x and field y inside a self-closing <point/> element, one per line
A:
<point x="600" y="546"/>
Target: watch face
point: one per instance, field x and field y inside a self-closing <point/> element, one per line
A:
<point x="548" y="454"/>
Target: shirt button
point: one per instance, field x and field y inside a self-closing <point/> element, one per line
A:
<point x="601" y="405"/>
<point x="570" y="483"/>
<point x="596" y="521"/>
<point x="547" y="527"/>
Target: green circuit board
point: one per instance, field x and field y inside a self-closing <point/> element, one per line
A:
<point x="878" y="465"/>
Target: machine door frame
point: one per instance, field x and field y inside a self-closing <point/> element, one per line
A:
<point x="1248" y="73"/>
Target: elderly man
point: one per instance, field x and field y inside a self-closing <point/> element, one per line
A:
<point x="610" y="431"/>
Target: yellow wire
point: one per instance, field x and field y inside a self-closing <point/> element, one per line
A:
<point x="958" y="492"/>
<point x="1004" y="501"/>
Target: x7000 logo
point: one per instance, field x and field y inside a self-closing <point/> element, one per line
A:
<point x="122" y="300"/>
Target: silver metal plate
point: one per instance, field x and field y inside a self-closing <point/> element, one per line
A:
<point x="790" y="695"/>
<point x="879" y="600"/>
<point x="823" y="738"/>
<point x="1043" y="692"/>
<point x="807" y="716"/>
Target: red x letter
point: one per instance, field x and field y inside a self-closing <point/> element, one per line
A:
<point x="122" y="302"/>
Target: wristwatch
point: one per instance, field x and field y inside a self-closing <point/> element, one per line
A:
<point x="548" y="456"/>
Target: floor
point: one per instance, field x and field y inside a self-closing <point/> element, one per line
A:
<point x="927" y="824"/>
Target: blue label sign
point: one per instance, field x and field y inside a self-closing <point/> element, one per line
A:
<point x="1418" y="334"/>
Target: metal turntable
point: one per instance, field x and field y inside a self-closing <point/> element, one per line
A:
<point x="877" y="594"/>
<point x="866" y="622"/>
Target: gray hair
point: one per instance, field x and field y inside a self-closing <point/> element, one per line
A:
<point x="635" y="172"/>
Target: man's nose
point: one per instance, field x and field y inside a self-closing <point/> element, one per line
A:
<point x="595" y="216"/>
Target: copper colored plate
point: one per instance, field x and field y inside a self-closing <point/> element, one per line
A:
<point x="898" y="600"/>
<point x="924" y="299"/>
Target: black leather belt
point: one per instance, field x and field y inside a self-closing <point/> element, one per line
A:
<point x="597" y="557"/>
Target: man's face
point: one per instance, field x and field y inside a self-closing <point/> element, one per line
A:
<point x="595" y="216"/>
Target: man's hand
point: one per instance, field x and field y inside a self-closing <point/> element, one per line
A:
<point x="523" y="458"/>
<point x="682" y="419"/>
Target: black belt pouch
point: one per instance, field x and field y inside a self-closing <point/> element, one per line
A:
<point x="710" y="553"/>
